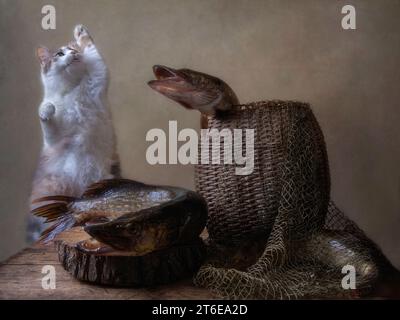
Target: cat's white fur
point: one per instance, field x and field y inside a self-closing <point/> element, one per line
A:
<point x="78" y="135"/>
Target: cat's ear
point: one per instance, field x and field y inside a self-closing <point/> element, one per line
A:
<point x="44" y="55"/>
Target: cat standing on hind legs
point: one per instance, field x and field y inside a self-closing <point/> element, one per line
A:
<point x="79" y="145"/>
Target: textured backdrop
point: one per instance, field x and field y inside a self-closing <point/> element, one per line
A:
<point x="263" y="49"/>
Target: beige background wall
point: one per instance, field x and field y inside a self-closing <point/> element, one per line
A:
<point x="264" y="49"/>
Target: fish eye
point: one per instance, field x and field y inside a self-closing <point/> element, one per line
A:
<point x="60" y="54"/>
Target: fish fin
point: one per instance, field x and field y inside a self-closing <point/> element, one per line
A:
<point x="59" y="198"/>
<point x="52" y="211"/>
<point x="57" y="212"/>
<point x="64" y="223"/>
<point x="98" y="188"/>
<point x="204" y="121"/>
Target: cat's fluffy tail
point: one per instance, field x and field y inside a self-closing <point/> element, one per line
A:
<point x="57" y="212"/>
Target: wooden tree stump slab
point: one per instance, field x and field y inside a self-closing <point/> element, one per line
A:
<point x="122" y="269"/>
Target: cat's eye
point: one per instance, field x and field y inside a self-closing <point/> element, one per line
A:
<point x="60" y="54"/>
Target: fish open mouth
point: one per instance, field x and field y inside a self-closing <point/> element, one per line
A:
<point x="186" y="87"/>
<point x="169" y="81"/>
<point x="163" y="72"/>
<point x="172" y="84"/>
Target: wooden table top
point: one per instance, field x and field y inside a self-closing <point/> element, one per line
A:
<point x="21" y="278"/>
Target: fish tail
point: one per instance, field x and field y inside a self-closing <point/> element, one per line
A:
<point x="64" y="223"/>
<point x="58" y="212"/>
<point x="51" y="211"/>
<point x="66" y="199"/>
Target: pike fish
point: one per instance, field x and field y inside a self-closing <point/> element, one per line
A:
<point x="128" y="215"/>
<point x="194" y="90"/>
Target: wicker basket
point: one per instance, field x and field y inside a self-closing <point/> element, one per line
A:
<point x="243" y="206"/>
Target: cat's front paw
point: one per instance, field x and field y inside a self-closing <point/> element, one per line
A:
<point x="82" y="36"/>
<point x="80" y="31"/>
<point x="47" y="111"/>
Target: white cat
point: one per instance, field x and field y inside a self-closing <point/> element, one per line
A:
<point x="78" y="135"/>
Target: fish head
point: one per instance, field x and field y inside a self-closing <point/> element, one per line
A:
<point x="193" y="89"/>
<point x="110" y="233"/>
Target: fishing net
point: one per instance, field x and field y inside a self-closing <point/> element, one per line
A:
<point x="274" y="234"/>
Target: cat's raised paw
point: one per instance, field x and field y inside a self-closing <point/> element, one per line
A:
<point x="82" y="36"/>
<point x="79" y="31"/>
<point x="46" y="111"/>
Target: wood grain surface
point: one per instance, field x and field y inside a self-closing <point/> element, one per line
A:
<point x="21" y="278"/>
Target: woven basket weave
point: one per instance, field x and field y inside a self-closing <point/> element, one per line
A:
<point x="243" y="206"/>
<point x="282" y="207"/>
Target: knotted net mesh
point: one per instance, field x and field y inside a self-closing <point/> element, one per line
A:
<point x="274" y="234"/>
